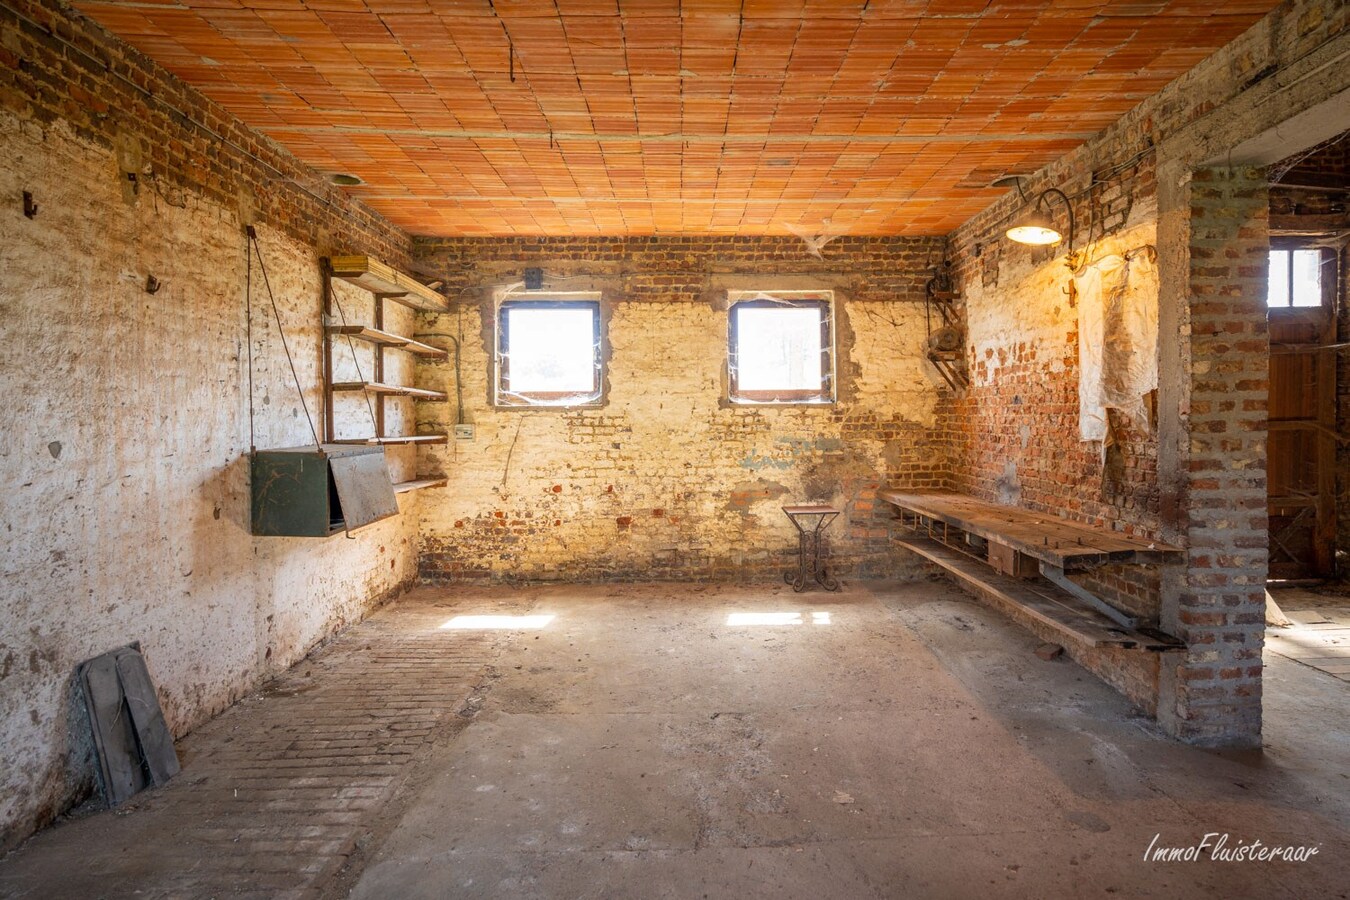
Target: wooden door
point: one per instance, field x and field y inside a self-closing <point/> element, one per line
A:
<point x="1301" y="450"/>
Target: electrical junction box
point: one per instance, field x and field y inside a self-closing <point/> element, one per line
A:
<point x="463" y="432"/>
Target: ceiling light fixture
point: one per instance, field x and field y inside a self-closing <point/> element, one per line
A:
<point x="1037" y="228"/>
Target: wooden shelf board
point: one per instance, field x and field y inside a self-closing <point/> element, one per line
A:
<point x="417" y="484"/>
<point x="369" y="335"/>
<point x="426" y="350"/>
<point x="1059" y="542"/>
<point x="1043" y="607"/>
<point x="413" y="302"/>
<point x="387" y="339"/>
<point x="386" y="281"/>
<point x="398" y="439"/>
<point x="397" y="390"/>
<point x="372" y="386"/>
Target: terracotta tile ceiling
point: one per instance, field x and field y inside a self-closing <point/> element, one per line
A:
<point x="559" y="117"/>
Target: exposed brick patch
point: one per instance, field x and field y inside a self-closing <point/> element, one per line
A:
<point x="1022" y="407"/>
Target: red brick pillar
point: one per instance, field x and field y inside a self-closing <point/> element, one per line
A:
<point x="1211" y="694"/>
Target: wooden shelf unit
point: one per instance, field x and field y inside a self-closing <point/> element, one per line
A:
<point x="387" y="283"/>
<point x="384" y="283"/>
<point x="388" y="339"/>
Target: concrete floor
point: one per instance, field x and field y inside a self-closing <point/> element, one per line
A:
<point x="1320" y="634"/>
<point x="690" y="741"/>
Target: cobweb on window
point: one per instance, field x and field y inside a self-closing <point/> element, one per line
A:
<point x="781" y="347"/>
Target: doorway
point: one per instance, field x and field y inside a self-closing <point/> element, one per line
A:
<point x="1308" y="227"/>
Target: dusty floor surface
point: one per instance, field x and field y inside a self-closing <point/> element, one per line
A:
<point x="683" y="741"/>
<point x="1320" y="634"/>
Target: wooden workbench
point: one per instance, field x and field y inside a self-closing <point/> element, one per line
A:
<point x="1019" y="544"/>
<point x="1060" y="543"/>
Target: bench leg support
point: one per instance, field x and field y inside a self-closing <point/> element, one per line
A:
<point x="1057" y="577"/>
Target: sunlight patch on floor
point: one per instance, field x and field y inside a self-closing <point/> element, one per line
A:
<point x="777" y="618"/>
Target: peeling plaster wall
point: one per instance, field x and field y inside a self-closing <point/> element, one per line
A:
<point x="1023" y="445"/>
<point x="1019" y="441"/>
<point x="668" y="480"/>
<point x="124" y="492"/>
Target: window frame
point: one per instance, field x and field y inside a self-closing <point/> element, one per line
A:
<point x="827" y="393"/>
<point x="503" y="397"/>
<point x="1326" y="281"/>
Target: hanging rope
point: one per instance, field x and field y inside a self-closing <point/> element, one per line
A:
<point x="248" y="328"/>
<point x="262" y="267"/>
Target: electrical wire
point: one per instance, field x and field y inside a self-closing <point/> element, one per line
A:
<point x="506" y="470"/>
<point x="1098" y="178"/>
<point x="459" y="382"/>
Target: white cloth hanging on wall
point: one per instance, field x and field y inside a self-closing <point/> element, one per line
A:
<point x="1117" y="340"/>
<point x="1087" y="285"/>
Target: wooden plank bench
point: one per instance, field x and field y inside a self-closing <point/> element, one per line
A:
<point x="1050" y="539"/>
<point x="1029" y="553"/>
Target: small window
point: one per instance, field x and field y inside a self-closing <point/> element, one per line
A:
<point x="1295" y="279"/>
<point x="548" y="353"/>
<point x="781" y="349"/>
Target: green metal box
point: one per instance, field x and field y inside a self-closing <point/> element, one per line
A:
<point x="318" y="491"/>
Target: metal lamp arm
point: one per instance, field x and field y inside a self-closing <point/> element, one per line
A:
<point x="1068" y="205"/>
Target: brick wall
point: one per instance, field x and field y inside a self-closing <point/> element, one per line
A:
<point x="1220" y="602"/>
<point x="124" y="488"/>
<point x="668" y="480"/>
<point x="1015" y="437"/>
<point x="1331" y="158"/>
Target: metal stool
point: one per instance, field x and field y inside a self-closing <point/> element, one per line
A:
<point x="809" y="563"/>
